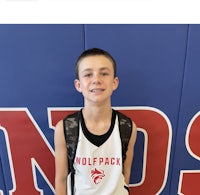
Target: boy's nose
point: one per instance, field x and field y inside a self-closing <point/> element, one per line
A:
<point x="96" y="78"/>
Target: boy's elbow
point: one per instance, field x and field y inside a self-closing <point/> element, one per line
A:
<point x="60" y="185"/>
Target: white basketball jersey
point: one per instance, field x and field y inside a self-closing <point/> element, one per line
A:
<point x="98" y="170"/>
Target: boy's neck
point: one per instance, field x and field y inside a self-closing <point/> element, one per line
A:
<point x="97" y="112"/>
<point x="97" y="120"/>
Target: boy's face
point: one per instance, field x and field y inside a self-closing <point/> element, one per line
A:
<point x="96" y="78"/>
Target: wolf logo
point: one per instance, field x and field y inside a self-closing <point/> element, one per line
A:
<point x="97" y="175"/>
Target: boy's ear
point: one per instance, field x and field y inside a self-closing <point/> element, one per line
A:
<point x="77" y="85"/>
<point x="115" y="83"/>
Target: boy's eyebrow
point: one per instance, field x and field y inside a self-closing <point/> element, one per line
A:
<point x="87" y="69"/>
<point x="104" y="68"/>
<point x="90" y="69"/>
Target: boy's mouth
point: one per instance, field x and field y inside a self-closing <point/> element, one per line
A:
<point x="96" y="90"/>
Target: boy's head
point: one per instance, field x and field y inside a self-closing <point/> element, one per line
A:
<point x="94" y="52"/>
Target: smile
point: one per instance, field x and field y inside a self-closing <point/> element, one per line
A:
<point x="96" y="90"/>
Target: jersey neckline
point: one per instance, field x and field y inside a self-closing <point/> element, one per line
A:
<point x="97" y="140"/>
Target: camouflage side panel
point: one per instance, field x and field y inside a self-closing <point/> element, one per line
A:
<point x="71" y="131"/>
<point x="125" y="128"/>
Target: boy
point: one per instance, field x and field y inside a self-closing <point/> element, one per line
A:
<point x="98" y="162"/>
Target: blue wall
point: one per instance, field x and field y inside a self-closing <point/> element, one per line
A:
<point x="158" y="66"/>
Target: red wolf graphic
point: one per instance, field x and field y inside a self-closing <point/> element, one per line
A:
<point x="97" y="175"/>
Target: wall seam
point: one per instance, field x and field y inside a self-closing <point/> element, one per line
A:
<point x="84" y="34"/>
<point x="180" y="106"/>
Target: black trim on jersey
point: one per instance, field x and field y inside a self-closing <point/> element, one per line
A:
<point x="97" y="140"/>
<point x="127" y="188"/>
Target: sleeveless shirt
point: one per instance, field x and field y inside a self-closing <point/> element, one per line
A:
<point x="98" y="164"/>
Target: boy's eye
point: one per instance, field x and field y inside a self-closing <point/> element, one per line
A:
<point x="104" y="73"/>
<point x="91" y="74"/>
<point x="88" y="75"/>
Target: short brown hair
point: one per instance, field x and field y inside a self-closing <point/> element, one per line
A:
<point x="94" y="52"/>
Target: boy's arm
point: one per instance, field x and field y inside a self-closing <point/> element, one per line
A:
<point x="129" y="155"/>
<point x="61" y="167"/>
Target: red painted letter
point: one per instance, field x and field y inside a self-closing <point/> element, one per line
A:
<point x="28" y="148"/>
<point x="189" y="179"/>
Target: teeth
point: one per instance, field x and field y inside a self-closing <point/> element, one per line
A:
<point x="96" y="90"/>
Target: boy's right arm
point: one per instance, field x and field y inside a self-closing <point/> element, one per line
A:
<point x="61" y="167"/>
